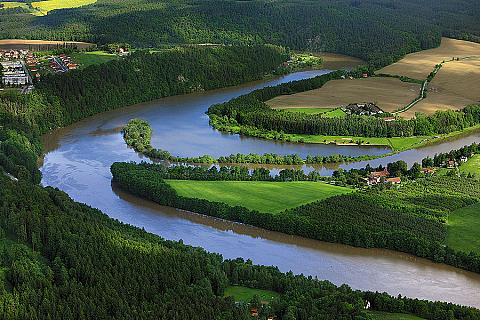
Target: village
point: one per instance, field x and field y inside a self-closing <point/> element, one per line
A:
<point x="22" y="68"/>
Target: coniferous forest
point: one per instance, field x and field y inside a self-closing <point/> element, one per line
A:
<point x="376" y="31"/>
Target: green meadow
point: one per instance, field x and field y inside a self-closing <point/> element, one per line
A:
<point x="263" y="196"/>
<point x="244" y="294"/>
<point x="376" y="315"/>
<point x="85" y="59"/>
<point x="471" y="166"/>
<point x="464" y="229"/>
<point x="327" y="112"/>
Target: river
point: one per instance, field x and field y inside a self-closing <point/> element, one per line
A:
<point x="78" y="160"/>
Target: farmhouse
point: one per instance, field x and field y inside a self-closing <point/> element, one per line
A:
<point x="395" y="180"/>
<point x="377" y="177"/>
<point x="369" y="109"/>
<point x="451" y="164"/>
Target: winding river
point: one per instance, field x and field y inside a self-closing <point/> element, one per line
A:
<point x="78" y="159"/>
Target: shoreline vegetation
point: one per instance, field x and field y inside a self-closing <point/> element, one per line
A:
<point x="411" y="217"/>
<point x="137" y="135"/>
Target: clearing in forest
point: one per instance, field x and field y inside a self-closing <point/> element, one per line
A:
<point x="244" y="294"/>
<point x="389" y="94"/>
<point x="263" y="196"/>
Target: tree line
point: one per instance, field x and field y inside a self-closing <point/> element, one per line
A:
<point x="137" y="134"/>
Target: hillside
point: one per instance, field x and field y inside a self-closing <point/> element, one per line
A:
<point x="392" y="29"/>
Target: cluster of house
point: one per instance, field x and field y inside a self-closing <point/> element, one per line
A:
<point x="377" y="177"/>
<point x="32" y="64"/>
<point x="361" y="109"/>
<point x="14" y="73"/>
<point x="9" y="55"/>
<point x="62" y="63"/>
<point x="450" y="164"/>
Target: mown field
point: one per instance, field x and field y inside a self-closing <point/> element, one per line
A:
<point x="85" y="59"/>
<point x="263" y="196"/>
<point x="464" y="229"/>
<point x="244" y="294"/>
<point x="389" y="94"/>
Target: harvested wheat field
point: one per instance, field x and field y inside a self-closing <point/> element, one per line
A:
<point x="456" y="85"/>
<point x="418" y="65"/>
<point x="17" y="44"/>
<point x="333" y="61"/>
<point x="388" y="93"/>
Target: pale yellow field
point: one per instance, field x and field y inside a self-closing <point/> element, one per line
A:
<point x="388" y="93"/>
<point x="456" y="85"/>
<point x="41" y="8"/>
<point x="44" y="7"/>
<point x="419" y="65"/>
<point x="7" y="44"/>
<point x="11" y="5"/>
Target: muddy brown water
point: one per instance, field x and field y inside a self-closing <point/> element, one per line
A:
<point x="78" y="159"/>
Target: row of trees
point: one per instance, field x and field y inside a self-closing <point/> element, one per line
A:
<point x="256" y="117"/>
<point x="137" y="134"/>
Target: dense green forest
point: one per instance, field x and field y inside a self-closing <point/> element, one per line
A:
<point x="137" y="134"/>
<point x="377" y="31"/>
<point x="255" y="117"/>
<point x="409" y="219"/>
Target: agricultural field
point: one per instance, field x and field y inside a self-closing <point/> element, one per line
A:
<point x="85" y="59"/>
<point x="418" y="65"/>
<point x="389" y="94"/>
<point x="11" y="5"/>
<point x="244" y="294"/>
<point x="42" y="8"/>
<point x="334" y="61"/>
<point x="263" y="196"/>
<point x="7" y="44"/>
<point x="463" y="229"/>
<point x="454" y="87"/>
<point x="472" y="166"/>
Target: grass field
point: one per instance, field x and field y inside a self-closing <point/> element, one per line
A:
<point x="85" y="59"/>
<point x="389" y="94"/>
<point x="327" y="112"/>
<point x="376" y="315"/>
<point x="244" y="294"/>
<point x="472" y="165"/>
<point x="463" y="229"/>
<point x="396" y="143"/>
<point x="263" y="196"/>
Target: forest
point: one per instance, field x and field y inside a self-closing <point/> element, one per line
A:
<point x="409" y="219"/>
<point x="379" y="32"/>
<point x="255" y="117"/>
